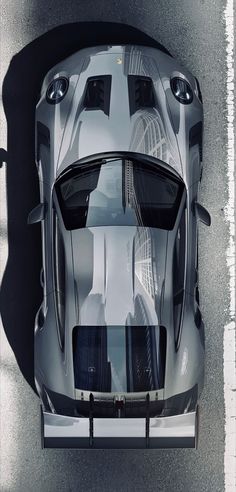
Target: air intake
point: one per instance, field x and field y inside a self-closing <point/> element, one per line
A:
<point x="97" y="93"/>
<point x="141" y="93"/>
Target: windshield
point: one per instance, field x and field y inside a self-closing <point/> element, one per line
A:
<point x="119" y="358"/>
<point x="119" y="192"/>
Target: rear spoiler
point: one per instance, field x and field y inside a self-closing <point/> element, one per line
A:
<point x="59" y="431"/>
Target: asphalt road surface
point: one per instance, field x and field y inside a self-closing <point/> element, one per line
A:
<point x="193" y="31"/>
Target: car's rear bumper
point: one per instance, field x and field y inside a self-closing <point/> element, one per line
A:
<point x="60" y="431"/>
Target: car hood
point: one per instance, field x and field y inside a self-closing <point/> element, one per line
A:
<point x="119" y="275"/>
<point x="147" y="130"/>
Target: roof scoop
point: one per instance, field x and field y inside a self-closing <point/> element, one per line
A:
<point x="98" y="93"/>
<point x="141" y="93"/>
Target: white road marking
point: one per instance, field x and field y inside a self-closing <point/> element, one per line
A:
<point x="229" y="329"/>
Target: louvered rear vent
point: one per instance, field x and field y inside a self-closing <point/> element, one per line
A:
<point x="141" y="93"/>
<point x="98" y="93"/>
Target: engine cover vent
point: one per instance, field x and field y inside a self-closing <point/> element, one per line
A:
<point x="141" y="93"/>
<point x="98" y="93"/>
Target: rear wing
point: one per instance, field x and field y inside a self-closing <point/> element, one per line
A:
<point x="59" y="431"/>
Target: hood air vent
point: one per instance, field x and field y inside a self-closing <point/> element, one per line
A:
<point x="97" y="93"/>
<point x="141" y="93"/>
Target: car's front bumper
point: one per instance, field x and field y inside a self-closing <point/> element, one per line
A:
<point x="60" y="431"/>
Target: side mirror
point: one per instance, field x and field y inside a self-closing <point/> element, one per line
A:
<point x="202" y="214"/>
<point x="37" y="214"/>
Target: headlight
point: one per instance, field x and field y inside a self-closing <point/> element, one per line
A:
<point x="57" y="90"/>
<point x="181" y="90"/>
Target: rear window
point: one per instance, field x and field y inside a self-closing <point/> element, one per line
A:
<point x="119" y="358"/>
<point x="119" y="192"/>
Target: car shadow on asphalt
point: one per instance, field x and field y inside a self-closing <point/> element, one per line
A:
<point x="21" y="293"/>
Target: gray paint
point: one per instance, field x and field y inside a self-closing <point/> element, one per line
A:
<point x="103" y="292"/>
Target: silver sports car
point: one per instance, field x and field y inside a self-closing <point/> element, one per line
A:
<point x="119" y="336"/>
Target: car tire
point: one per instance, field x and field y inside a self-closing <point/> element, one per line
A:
<point x="197" y="419"/>
<point x="42" y="427"/>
